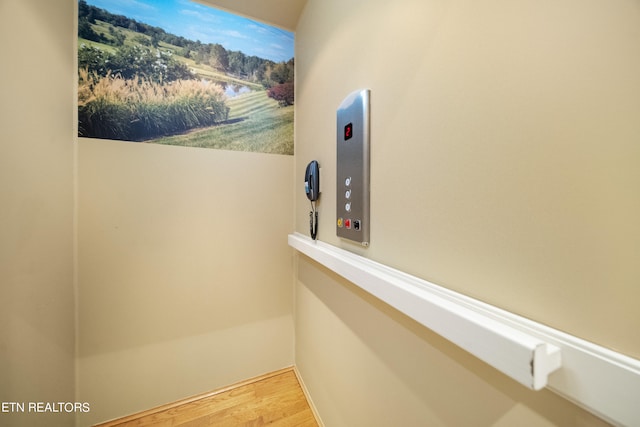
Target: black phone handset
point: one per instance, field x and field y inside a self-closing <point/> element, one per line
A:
<point x="312" y="189"/>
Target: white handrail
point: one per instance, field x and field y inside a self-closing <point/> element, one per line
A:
<point x="603" y="382"/>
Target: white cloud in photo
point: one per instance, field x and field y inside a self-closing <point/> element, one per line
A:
<point x="235" y="34"/>
<point x="200" y="16"/>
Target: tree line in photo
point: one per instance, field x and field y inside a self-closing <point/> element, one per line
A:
<point x="236" y="63"/>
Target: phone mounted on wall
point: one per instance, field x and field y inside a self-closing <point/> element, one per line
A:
<point x="312" y="181"/>
<point x="312" y="190"/>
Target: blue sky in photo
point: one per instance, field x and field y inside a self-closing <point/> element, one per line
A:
<point x="195" y="21"/>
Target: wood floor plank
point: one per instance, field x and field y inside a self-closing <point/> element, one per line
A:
<point x="274" y="399"/>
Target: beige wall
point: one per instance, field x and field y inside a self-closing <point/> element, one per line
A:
<point x="184" y="271"/>
<point x="36" y="208"/>
<point x="510" y="131"/>
<point x="183" y="268"/>
<point x="181" y="288"/>
<point x="504" y="166"/>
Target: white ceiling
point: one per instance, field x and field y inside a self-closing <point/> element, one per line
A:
<point x="281" y="13"/>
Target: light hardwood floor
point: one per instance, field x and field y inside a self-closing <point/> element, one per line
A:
<point x="274" y="399"/>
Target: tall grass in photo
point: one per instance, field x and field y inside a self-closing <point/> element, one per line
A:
<point x="136" y="109"/>
<point x="256" y="123"/>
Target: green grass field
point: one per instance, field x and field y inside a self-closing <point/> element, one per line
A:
<point x="256" y="123"/>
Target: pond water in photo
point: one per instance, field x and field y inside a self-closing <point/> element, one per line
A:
<point x="232" y="90"/>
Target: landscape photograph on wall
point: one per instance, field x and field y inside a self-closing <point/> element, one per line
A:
<point x="181" y="73"/>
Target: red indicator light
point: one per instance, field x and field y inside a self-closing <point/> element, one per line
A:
<point x="348" y="131"/>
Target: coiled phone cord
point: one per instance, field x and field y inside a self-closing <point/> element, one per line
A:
<point x="313" y="221"/>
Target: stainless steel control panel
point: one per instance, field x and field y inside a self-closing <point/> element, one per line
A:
<point x="352" y="216"/>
